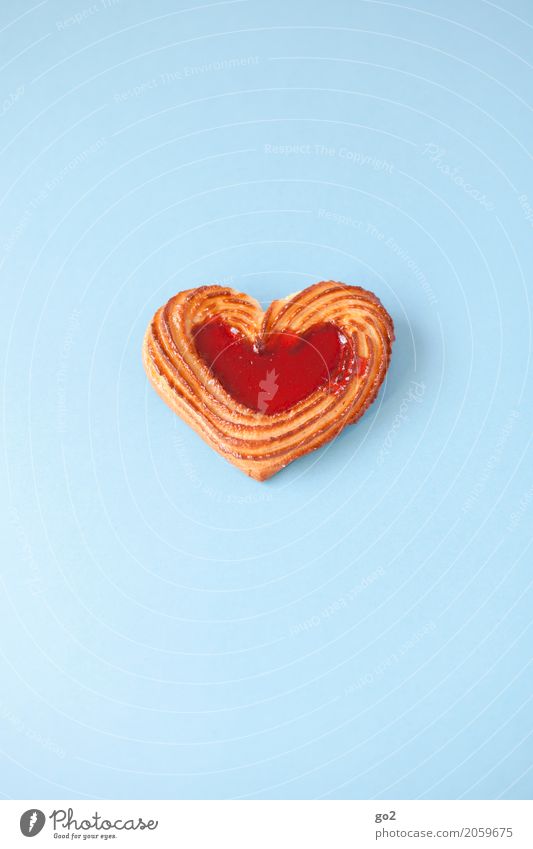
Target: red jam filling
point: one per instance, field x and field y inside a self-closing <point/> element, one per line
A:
<point x="275" y="373"/>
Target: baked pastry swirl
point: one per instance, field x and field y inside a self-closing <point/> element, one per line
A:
<point x="264" y="388"/>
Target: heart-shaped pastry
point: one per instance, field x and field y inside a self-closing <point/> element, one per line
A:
<point x="264" y="388"/>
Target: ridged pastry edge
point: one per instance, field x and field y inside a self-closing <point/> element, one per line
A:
<point x="257" y="444"/>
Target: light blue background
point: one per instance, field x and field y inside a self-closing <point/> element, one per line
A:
<point x="359" y="625"/>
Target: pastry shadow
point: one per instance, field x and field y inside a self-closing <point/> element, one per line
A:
<point x="405" y="367"/>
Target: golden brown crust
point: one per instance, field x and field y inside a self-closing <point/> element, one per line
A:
<point x="262" y="444"/>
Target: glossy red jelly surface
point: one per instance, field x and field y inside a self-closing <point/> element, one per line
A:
<point x="277" y="372"/>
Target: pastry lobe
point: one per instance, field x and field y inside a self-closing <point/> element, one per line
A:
<point x="264" y="388"/>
